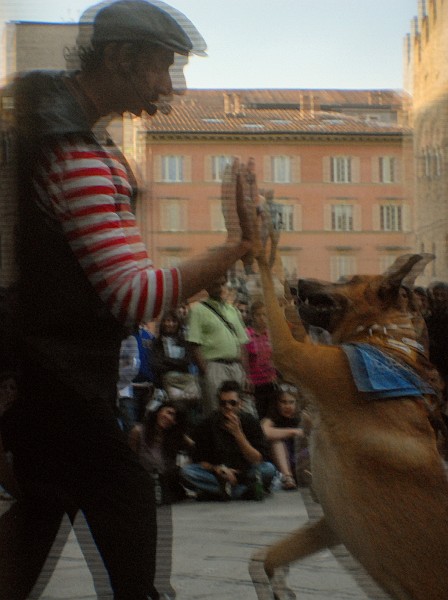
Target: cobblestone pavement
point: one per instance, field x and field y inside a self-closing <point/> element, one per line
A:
<point x="211" y="548"/>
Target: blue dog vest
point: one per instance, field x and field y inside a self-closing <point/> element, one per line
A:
<point x="380" y="376"/>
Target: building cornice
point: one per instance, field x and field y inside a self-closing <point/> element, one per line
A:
<point x="317" y="137"/>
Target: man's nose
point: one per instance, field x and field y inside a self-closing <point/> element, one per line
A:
<point x="177" y="80"/>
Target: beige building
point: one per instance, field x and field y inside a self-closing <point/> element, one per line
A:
<point x="339" y="163"/>
<point x="426" y="68"/>
<point x="28" y="45"/>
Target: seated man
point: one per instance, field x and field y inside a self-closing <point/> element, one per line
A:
<point x="229" y="457"/>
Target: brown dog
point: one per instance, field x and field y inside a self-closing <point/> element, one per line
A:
<point x="375" y="465"/>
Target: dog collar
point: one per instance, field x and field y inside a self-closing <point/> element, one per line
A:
<point x="406" y="344"/>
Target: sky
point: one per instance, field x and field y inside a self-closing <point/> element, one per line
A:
<point x="345" y="44"/>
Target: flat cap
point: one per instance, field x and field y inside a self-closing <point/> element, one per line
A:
<point x="139" y="20"/>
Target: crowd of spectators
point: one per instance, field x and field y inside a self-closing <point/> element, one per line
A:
<point x="183" y="437"/>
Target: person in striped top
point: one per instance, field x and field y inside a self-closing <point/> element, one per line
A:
<point x="85" y="282"/>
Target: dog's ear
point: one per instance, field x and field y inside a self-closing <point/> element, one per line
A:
<point x="404" y="271"/>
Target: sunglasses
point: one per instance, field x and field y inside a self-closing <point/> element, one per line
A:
<point x="290" y="389"/>
<point x="228" y="402"/>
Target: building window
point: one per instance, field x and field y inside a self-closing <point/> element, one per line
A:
<point x="342" y="266"/>
<point x="289" y="264"/>
<point x="218" y="165"/>
<point x="281" y="169"/>
<point x="388" y="169"/>
<point x="173" y="215"/>
<point x="342" y="217"/>
<point x="391" y="217"/>
<point x="170" y="261"/>
<point x="172" y="168"/>
<point x="216" y="215"/>
<point x="387" y="261"/>
<point x="282" y="215"/>
<point x="287" y="217"/>
<point x="341" y="169"/>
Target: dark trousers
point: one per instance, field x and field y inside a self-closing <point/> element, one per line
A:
<point x="69" y="455"/>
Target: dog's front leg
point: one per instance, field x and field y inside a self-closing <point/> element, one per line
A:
<point x="303" y="542"/>
<point x="274" y="588"/>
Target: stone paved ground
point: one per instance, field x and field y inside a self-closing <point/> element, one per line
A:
<point x="212" y="545"/>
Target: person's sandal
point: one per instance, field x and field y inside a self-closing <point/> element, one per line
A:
<point x="288" y="483"/>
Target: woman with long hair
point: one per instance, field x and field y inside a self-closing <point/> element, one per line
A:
<point x="281" y="428"/>
<point x="174" y="369"/>
<point x="158" y="442"/>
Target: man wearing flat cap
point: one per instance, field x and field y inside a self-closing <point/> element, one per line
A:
<point x="84" y="283"/>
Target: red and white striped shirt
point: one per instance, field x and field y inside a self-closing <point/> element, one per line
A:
<point x="87" y="189"/>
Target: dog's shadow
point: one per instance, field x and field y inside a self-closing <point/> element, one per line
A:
<point x="277" y="588"/>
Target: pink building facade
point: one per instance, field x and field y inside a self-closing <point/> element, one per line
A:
<point x="339" y="164"/>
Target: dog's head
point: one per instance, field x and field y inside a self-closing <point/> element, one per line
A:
<point x="362" y="300"/>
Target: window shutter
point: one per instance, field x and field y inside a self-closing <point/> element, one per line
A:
<point x="327" y="217"/>
<point x="357" y="224"/>
<point x="326" y="166"/>
<point x="375" y="165"/>
<point x="376" y="217"/>
<point x="298" y="212"/>
<point x="208" y="168"/>
<point x="334" y="268"/>
<point x="398" y="170"/>
<point x="356" y="169"/>
<point x="267" y="169"/>
<point x="183" y="219"/>
<point x="216" y="216"/>
<point x="406" y="217"/>
<point x="157" y="165"/>
<point x="186" y="168"/>
<point x="295" y="169"/>
<point x="164" y="216"/>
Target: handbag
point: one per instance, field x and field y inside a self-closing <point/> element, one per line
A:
<point x="181" y="386"/>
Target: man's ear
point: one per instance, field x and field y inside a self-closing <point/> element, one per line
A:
<point x="119" y="58"/>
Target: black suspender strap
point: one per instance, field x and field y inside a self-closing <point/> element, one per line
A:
<point x="220" y="316"/>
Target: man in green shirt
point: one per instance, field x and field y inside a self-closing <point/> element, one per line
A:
<point x="217" y="337"/>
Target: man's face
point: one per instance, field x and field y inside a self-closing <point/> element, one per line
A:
<point x="440" y="296"/>
<point x="147" y="79"/>
<point x="229" y="402"/>
<point x="217" y="288"/>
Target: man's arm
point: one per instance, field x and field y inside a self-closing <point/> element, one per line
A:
<point x="197" y="357"/>
<point x="239" y="196"/>
<point x="88" y="192"/>
<point x="251" y="454"/>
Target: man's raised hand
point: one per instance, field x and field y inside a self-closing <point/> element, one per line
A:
<point x="239" y="198"/>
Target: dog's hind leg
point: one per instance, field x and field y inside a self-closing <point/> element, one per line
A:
<point x="304" y="541"/>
